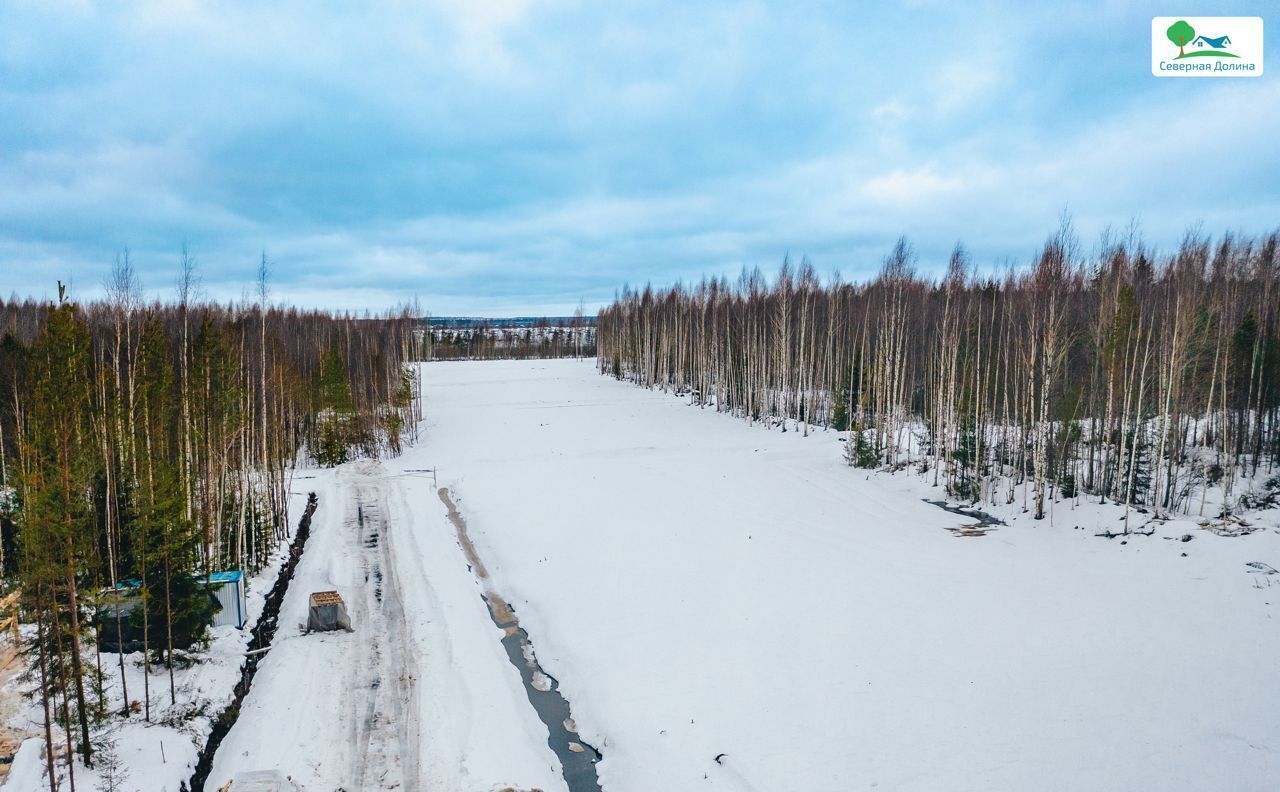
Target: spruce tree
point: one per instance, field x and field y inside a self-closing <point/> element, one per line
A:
<point x="336" y="411"/>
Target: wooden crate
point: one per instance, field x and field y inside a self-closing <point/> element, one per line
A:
<point x="326" y="598"/>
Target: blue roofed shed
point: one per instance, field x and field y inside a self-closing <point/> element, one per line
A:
<point x="228" y="587"/>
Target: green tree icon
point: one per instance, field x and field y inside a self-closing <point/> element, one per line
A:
<point x="1180" y="33"/>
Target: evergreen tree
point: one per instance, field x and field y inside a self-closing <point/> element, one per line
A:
<point x="177" y="601"/>
<point x="840" y="408"/>
<point x="336" y="413"/>
<point x="57" y="526"/>
<point x="965" y="482"/>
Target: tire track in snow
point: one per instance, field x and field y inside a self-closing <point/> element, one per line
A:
<point x="385" y="718"/>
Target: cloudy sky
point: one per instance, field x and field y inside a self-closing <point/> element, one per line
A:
<point x="517" y="156"/>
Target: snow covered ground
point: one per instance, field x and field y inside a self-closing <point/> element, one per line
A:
<point x="160" y="755"/>
<point x="702" y="587"/>
<point x="420" y="694"/>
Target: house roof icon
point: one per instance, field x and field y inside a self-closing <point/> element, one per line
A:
<point x="1217" y="43"/>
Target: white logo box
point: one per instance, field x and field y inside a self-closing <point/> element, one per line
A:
<point x="1207" y="51"/>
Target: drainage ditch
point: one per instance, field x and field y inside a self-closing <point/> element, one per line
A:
<point x="577" y="758"/>
<point x="263" y="632"/>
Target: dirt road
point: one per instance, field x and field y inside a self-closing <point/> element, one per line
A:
<point x="382" y="690"/>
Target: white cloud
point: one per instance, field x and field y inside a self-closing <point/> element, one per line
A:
<point x="968" y="83"/>
<point x="892" y="110"/>
<point x="911" y="187"/>
<point x="481" y="29"/>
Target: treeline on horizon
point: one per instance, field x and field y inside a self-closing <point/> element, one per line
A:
<point x="485" y="339"/>
<point x="144" y="445"/>
<point x="1128" y="375"/>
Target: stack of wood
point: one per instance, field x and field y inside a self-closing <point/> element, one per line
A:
<point x="9" y="625"/>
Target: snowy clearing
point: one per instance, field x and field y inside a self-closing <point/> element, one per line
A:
<point x="730" y="607"/>
<point x="700" y="587"/>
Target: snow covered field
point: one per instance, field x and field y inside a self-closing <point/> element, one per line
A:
<point x="701" y="587"/>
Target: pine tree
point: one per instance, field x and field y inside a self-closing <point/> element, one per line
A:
<point x="57" y="523"/>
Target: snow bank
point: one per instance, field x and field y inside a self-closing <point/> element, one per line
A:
<point x="27" y="770"/>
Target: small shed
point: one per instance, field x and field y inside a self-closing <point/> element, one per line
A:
<point x="228" y="589"/>
<point x="327" y="612"/>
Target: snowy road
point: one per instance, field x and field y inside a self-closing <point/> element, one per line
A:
<point x="350" y="723"/>
<point x="420" y="695"/>
<point x="382" y="692"/>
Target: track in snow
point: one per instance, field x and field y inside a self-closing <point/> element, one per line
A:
<point x="382" y="692"/>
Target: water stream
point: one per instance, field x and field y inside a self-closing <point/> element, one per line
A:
<point x="577" y="758"/>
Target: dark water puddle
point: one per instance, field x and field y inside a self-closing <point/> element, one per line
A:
<point x="983" y="522"/>
<point x="263" y="632"/>
<point x="371" y="542"/>
<point x="577" y="758"/>
<point x="543" y="690"/>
